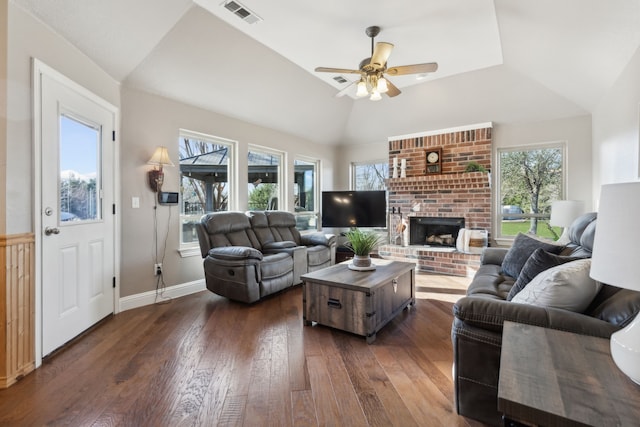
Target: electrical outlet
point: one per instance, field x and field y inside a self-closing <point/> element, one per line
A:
<point x="157" y="269"/>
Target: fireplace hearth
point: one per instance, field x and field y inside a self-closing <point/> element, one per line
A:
<point x="434" y="231"/>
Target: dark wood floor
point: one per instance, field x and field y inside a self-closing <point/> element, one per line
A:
<point x="203" y="360"/>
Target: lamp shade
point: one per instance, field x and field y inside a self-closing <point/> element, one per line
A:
<point x="563" y="212"/>
<point x="614" y="261"/>
<point x="615" y="248"/>
<point x="160" y="157"/>
<point x="362" y="89"/>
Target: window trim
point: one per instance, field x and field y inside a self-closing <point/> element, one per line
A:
<point x="316" y="185"/>
<point x="497" y="196"/>
<point x="352" y="175"/>
<point x="193" y="248"/>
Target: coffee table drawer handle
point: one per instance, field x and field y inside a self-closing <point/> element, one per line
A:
<point x="334" y="303"/>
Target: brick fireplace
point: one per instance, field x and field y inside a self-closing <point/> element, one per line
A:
<point x="451" y="194"/>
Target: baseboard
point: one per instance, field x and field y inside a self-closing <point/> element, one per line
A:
<point x="148" y="298"/>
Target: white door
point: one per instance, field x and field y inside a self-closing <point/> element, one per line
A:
<point x="77" y="218"/>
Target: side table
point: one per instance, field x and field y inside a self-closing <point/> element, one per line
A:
<point x="556" y="378"/>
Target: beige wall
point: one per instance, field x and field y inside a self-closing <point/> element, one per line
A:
<point x="4" y="12"/>
<point x="149" y="121"/>
<point x="29" y="39"/>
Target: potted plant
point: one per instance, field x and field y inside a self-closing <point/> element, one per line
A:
<point x="474" y="166"/>
<point x="362" y="243"/>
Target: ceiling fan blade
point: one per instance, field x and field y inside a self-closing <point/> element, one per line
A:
<point x="381" y="54"/>
<point x="336" y="70"/>
<point x="413" y="69"/>
<point x="393" y="89"/>
<point x="346" y="89"/>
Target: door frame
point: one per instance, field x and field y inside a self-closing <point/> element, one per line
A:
<point x="39" y="68"/>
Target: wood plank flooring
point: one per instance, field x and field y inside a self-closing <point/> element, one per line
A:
<point x="203" y="360"/>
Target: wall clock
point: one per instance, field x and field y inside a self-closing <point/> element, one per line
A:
<point x="434" y="161"/>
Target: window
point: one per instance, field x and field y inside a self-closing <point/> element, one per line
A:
<point x="79" y="172"/>
<point x="205" y="171"/>
<point x="305" y="178"/>
<point x="530" y="179"/>
<point x="265" y="170"/>
<point x="369" y="176"/>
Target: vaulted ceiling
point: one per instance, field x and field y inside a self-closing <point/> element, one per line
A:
<point x="502" y="60"/>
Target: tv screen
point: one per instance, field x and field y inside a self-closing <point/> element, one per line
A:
<point x="354" y="208"/>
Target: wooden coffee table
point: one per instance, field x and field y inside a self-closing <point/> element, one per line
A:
<point x="361" y="302"/>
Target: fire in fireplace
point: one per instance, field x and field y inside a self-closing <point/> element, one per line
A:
<point x="434" y="231"/>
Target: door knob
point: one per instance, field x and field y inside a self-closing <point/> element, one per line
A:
<point x="48" y="231"/>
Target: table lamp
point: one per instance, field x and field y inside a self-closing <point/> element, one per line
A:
<point x="563" y="212"/>
<point x="615" y="262"/>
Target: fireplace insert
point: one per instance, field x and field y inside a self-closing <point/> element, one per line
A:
<point x="434" y="231"/>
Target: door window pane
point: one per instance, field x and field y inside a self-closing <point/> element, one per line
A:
<point x="204" y="171"/>
<point x="305" y="194"/>
<point x="79" y="157"/>
<point x="264" y="179"/>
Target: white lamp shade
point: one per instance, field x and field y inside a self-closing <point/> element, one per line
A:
<point x="362" y="89"/>
<point x="564" y="212"/>
<point x="160" y="157"/>
<point x="615" y="248"/>
<point x="615" y="262"/>
<point x="382" y="85"/>
<point x="375" y="96"/>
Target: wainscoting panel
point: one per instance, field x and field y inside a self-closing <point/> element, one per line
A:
<point x="17" y="307"/>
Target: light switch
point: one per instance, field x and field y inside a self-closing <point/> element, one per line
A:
<point x="135" y="202"/>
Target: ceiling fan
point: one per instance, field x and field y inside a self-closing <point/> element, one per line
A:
<point x="372" y="70"/>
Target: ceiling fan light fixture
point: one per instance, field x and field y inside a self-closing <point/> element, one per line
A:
<point x="362" y="89"/>
<point x="382" y="85"/>
<point x="375" y="96"/>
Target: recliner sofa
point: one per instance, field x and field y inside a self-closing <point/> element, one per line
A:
<point x="249" y="256"/>
<point x="478" y="320"/>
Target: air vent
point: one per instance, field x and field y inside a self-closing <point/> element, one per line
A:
<point x="241" y="11"/>
<point x="340" y="79"/>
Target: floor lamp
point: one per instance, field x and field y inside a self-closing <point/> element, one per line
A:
<point x="615" y="262"/>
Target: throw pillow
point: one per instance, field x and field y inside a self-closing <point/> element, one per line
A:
<point x="567" y="286"/>
<point x="539" y="261"/>
<point x="523" y="246"/>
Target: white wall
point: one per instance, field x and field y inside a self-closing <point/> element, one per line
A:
<point x="615" y="130"/>
<point x="29" y="39"/>
<point x="348" y="154"/>
<point x="575" y="130"/>
<point x="150" y="120"/>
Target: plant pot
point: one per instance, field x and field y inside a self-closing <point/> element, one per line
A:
<point x="362" y="260"/>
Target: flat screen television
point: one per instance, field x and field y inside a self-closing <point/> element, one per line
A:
<point x="354" y="209"/>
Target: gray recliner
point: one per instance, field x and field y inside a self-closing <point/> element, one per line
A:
<point x="321" y="249"/>
<point x="249" y="256"/>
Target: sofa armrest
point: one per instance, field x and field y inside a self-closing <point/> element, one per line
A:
<point x="490" y="314"/>
<point x="277" y="246"/>
<point x="493" y="256"/>
<point x="235" y="253"/>
<point x="314" y="239"/>
<point x="299" y="256"/>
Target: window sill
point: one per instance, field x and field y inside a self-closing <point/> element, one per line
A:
<point x="189" y="252"/>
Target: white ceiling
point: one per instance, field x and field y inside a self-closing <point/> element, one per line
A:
<point x="500" y="61"/>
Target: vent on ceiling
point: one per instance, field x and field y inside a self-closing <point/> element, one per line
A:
<point x="241" y="11"/>
<point x="340" y="79"/>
